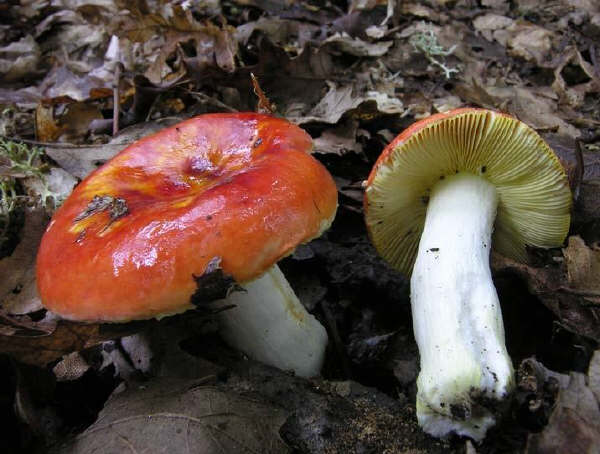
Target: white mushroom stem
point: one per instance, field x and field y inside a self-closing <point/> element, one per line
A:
<point x="270" y="324"/>
<point x="456" y="312"/>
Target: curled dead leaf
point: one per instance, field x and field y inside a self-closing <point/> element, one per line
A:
<point x="583" y="269"/>
<point x="574" y="426"/>
<point x="571" y="305"/>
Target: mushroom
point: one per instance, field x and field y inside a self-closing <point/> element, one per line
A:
<point x="433" y="199"/>
<point x="175" y="218"/>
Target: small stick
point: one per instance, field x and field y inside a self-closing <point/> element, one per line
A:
<point x="116" y="99"/>
<point x="264" y="105"/>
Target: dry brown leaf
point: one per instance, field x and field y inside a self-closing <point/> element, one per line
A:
<point x="356" y="46"/>
<point x="46" y="129"/>
<point x="496" y="4"/>
<point x="532" y="106"/>
<point x="19" y="59"/>
<point x="186" y="418"/>
<point x="79" y="161"/>
<point x="594" y="374"/>
<point x="342" y="100"/>
<point x="41" y="346"/>
<point x="574" y="96"/>
<point x="77" y="119"/>
<point x="336" y="102"/>
<point x="339" y="140"/>
<point x="583" y="268"/>
<point x="62" y="82"/>
<point x="200" y="45"/>
<point x="487" y="24"/>
<point x="530" y="42"/>
<point x="289" y="34"/>
<point x="18" y="293"/>
<point x="574" y="426"/>
<point x="357" y="5"/>
<point x="570" y="305"/>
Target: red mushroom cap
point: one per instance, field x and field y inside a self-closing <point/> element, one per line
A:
<point x="129" y="241"/>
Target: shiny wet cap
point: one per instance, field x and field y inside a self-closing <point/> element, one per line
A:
<point x="235" y="192"/>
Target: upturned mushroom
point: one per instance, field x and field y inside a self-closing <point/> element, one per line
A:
<point x="210" y="201"/>
<point x="441" y="195"/>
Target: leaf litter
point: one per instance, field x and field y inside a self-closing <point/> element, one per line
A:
<point x="353" y="74"/>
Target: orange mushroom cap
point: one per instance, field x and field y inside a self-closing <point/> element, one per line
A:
<point x="130" y="240"/>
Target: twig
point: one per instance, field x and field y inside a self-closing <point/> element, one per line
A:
<point x="116" y="99"/>
<point x="52" y="144"/>
<point x="264" y="105"/>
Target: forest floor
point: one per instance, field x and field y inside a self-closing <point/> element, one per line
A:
<point x="352" y="74"/>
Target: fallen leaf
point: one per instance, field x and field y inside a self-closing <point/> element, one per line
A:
<point x="19" y="59"/>
<point x="594" y="374"/>
<point x="289" y="34"/>
<point x="342" y="100"/>
<point x="491" y="22"/>
<point x="339" y="140"/>
<point x="583" y="268"/>
<point x="534" y="107"/>
<point x="336" y="102"/>
<point x="80" y="160"/>
<point x="447" y="103"/>
<point x="183" y="42"/>
<point x="46" y="128"/>
<point x="385" y="103"/>
<point x="530" y="42"/>
<point x="62" y="82"/>
<point x="550" y="284"/>
<point x="51" y="189"/>
<point x="574" y="95"/>
<point x="496" y="4"/>
<point x="356" y="46"/>
<point x="418" y="9"/>
<point x="18" y="293"/>
<point x="186" y="418"/>
<point x="574" y="426"/>
<point x="76" y="120"/>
